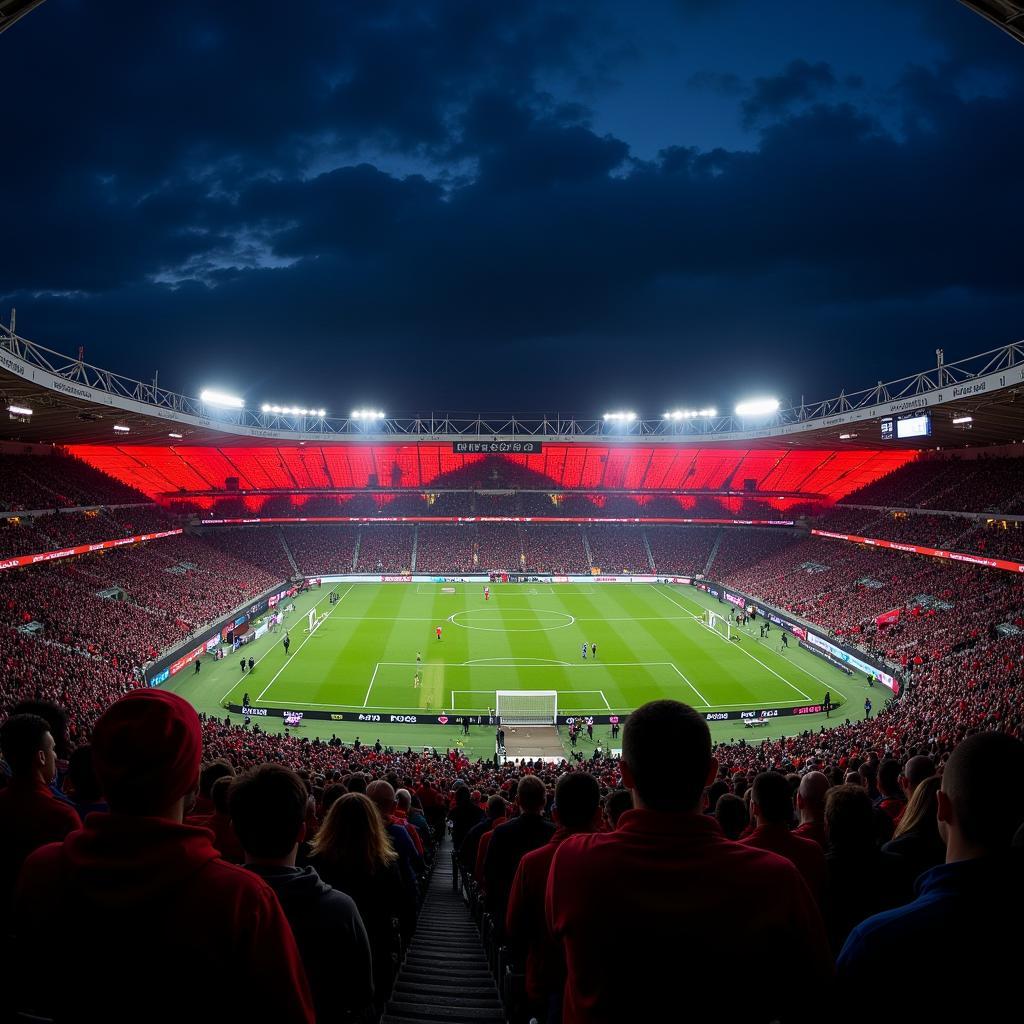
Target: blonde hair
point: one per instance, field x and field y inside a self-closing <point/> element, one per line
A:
<point x="353" y="836"/>
<point x="921" y="808"/>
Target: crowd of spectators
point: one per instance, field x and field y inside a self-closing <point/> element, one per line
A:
<point x="446" y="548"/>
<point x="322" y="548"/>
<point x="554" y="547"/>
<point x="385" y="548"/>
<point x="263" y="546"/>
<point x="681" y="549"/>
<point x="618" y="548"/>
<point x="986" y="484"/>
<point x="498" y="547"/>
<point x="31" y="482"/>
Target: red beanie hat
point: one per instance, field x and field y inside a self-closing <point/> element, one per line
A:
<point x="147" y="747"/>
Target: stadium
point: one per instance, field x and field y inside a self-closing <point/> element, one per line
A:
<point x="434" y="667"/>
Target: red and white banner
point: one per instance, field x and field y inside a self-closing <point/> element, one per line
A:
<point x="18" y="561"/>
<point x="917" y="549"/>
<point x="492" y="519"/>
<point x="888" y="618"/>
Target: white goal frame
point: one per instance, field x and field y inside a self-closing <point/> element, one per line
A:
<point x="720" y="624"/>
<point x="526" y="707"/>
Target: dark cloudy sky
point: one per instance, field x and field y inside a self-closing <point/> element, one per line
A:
<point x="536" y="204"/>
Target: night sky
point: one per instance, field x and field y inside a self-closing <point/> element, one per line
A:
<point x="512" y="206"/>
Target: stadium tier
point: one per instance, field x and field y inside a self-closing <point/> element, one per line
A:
<point x="460" y="641"/>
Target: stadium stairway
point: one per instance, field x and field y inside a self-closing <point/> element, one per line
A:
<point x="714" y="551"/>
<point x="445" y="976"/>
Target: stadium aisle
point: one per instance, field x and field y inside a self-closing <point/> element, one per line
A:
<point x="445" y="976"/>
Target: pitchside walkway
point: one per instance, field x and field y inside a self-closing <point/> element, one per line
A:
<point x="445" y="976"/>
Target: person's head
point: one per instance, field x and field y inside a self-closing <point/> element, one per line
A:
<point x="978" y="812"/>
<point x="496" y="807"/>
<point x="146" y="751"/>
<point x="219" y="794"/>
<point x="849" y="817"/>
<point x="577" y="801"/>
<point x="666" y="756"/>
<point x="403" y="800"/>
<point x="889" y="778"/>
<point x="810" y="796"/>
<point x="714" y="791"/>
<point x="82" y="784"/>
<point x="921" y="809"/>
<point x="268" y="809"/>
<point x="383" y="795"/>
<point x="352" y="835"/>
<point x="54" y="715"/>
<point x="915" y="771"/>
<point x="616" y="803"/>
<point x="29" y="748"/>
<point x="210" y="773"/>
<point x="770" y="800"/>
<point x="335" y="791"/>
<point x="531" y="795"/>
<point x="731" y="813"/>
<point x="356" y="783"/>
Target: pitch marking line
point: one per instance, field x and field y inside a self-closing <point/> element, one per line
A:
<point x="268" y="651"/>
<point x="302" y="644"/>
<point x="691" y="686"/>
<point x="696" y="618"/>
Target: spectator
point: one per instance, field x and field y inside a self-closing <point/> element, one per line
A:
<point x="917" y="844"/>
<point x="496" y="813"/>
<point x="810" y="807"/>
<point x="575" y="810"/>
<point x="511" y="840"/>
<point x="684" y="892"/>
<point x="890" y="794"/>
<point x="268" y="810"/>
<point x="383" y="796"/>
<point x="772" y="810"/>
<point x="464" y="815"/>
<point x="30" y="813"/>
<point x="974" y="901"/>
<point x="353" y="854"/>
<point x="225" y="841"/>
<point x="155" y="891"/>
<point x="861" y="880"/>
<point x="616" y="803"/>
<point x="731" y="814"/>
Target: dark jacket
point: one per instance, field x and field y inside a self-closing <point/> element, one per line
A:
<point x="915" y="853"/>
<point x="331" y="938"/>
<point x="509" y="842"/>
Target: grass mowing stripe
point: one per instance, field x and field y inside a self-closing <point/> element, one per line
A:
<point x="747" y="653"/>
<point x="304" y="642"/>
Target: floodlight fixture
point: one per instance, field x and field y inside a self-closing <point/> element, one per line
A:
<point x="209" y="396"/>
<point x="174" y="435"/>
<point x="690" y="414"/>
<point x="963" y="419"/>
<point x="622" y="416"/>
<point x="758" y="407"/>
<point x="368" y="414"/>
<point x="19" y="410"/>
<point x="120" y="428"/>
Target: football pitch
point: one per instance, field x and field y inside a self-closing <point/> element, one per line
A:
<point x="651" y="643"/>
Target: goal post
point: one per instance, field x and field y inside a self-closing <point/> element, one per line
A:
<point x="526" y="707"/>
<point x="720" y="624"/>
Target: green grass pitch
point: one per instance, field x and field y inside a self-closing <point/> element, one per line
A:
<point x="650" y="641"/>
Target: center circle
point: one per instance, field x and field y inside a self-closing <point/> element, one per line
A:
<point x="536" y="627"/>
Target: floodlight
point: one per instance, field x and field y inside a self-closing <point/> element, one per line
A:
<point x="219" y="398"/>
<point x="620" y="417"/>
<point x="121" y="428"/>
<point x="963" y="419"/>
<point x="847" y="437"/>
<point x="177" y="436"/>
<point x="368" y="414"/>
<point x="19" y="410"/>
<point x="758" y="407"/>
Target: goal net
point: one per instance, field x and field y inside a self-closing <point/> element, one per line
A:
<point x="526" y="707"/>
<point x="720" y="624"/>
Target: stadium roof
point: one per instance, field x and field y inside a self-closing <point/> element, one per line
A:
<point x="74" y="402"/>
<point x="12" y="10"/>
<point x="1007" y="14"/>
